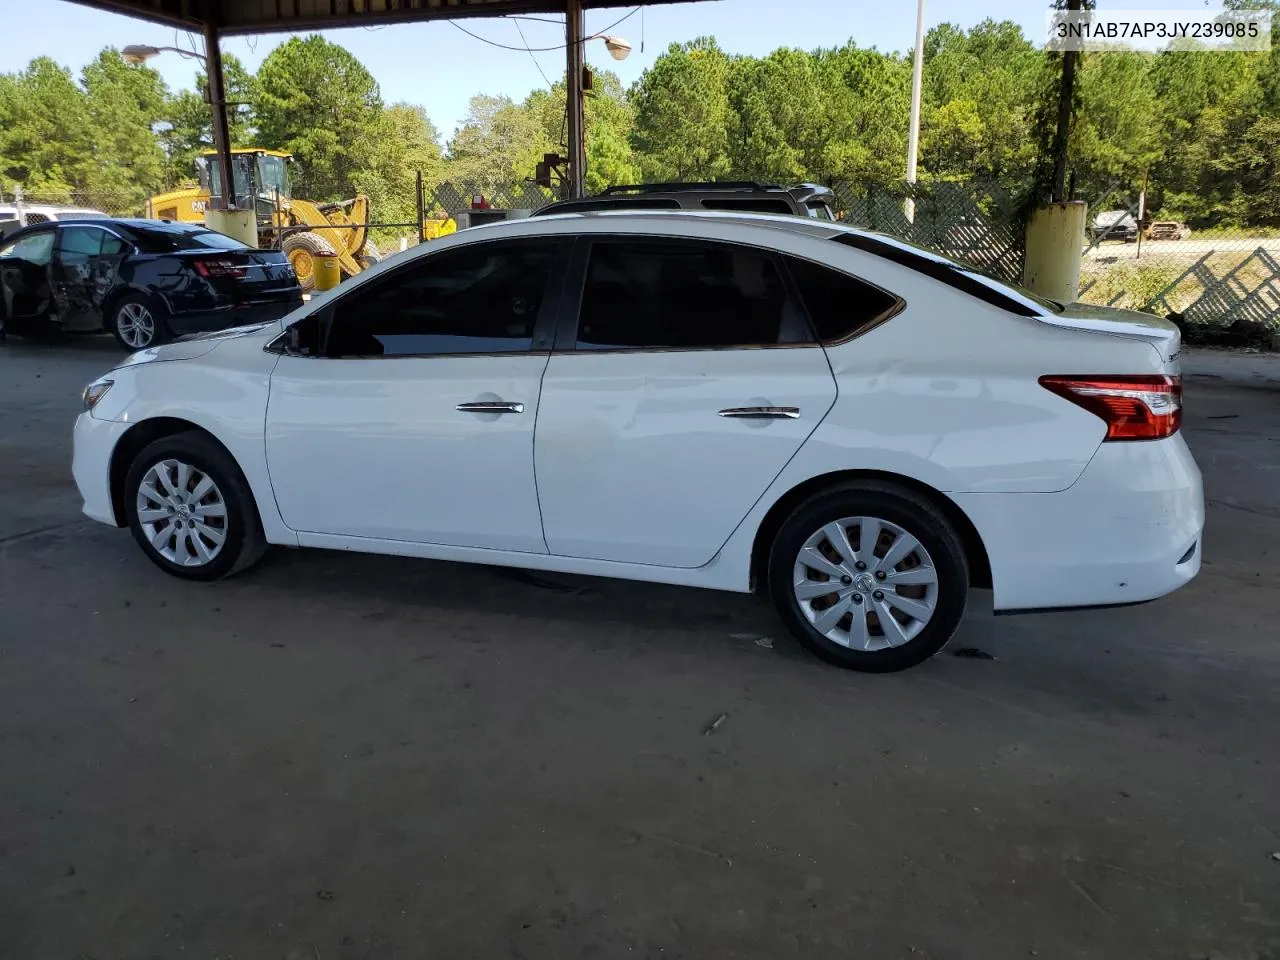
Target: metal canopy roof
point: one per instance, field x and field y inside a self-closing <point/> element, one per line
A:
<point x="230" y="17"/>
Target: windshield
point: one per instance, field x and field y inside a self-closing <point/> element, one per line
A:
<point x="241" y="168"/>
<point x="273" y="177"/>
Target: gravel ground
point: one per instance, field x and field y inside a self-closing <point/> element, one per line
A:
<point x="337" y="756"/>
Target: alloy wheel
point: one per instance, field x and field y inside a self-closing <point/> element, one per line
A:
<point x="136" y="325"/>
<point x="865" y="583"/>
<point x="182" y="513"/>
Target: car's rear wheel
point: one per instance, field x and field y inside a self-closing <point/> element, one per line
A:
<point x="137" y="323"/>
<point x="191" y="510"/>
<point x="872" y="577"/>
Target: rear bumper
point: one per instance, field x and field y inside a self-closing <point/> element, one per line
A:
<point x="232" y="315"/>
<point x="1127" y="531"/>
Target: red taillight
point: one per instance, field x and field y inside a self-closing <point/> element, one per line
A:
<point x="220" y="268"/>
<point x="1133" y="407"/>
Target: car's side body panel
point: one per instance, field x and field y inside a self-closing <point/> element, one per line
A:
<point x="225" y="394"/>
<point x="945" y="394"/>
<point x="412" y="467"/>
<point x="635" y="462"/>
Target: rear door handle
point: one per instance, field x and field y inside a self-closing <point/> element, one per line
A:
<point x="491" y="406"/>
<point x="762" y="413"/>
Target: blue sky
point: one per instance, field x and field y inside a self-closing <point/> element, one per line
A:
<point x="436" y="65"/>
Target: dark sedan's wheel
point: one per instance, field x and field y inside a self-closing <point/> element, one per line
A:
<point x="871" y="577"/>
<point x="191" y="510"/>
<point x="137" y="323"/>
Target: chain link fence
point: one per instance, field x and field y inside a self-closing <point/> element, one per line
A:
<point x="454" y="196"/>
<point x="46" y="204"/>
<point x="976" y="222"/>
<point x="1221" y="284"/>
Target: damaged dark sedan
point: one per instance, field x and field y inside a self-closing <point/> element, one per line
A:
<point x="145" y="281"/>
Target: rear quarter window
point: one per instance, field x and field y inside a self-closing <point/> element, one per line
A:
<point x="840" y="306"/>
<point x="167" y="239"/>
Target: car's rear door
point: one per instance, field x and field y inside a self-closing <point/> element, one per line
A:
<point x="75" y="257"/>
<point x="684" y="378"/>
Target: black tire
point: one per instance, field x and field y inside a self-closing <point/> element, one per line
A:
<point x="916" y="516"/>
<point x="302" y="247"/>
<point x="370" y="255"/>
<point x="122" y="318"/>
<point x="244" y="542"/>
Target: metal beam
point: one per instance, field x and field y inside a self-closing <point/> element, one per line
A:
<point x="218" y="104"/>
<point x="238" y="17"/>
<point x="575" y="61"/>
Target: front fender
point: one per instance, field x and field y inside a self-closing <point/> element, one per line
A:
<point x="223" y="393"/>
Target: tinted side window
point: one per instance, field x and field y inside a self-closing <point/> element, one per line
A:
<point x="161" y="237"/>
<point x="80" y="242"/>
<point x="113" y="245"/>
<point x="839" y="306"/>
<point x="672" y="294"/>
<point x="483" y="298"/>
<point x="35" y="248"/>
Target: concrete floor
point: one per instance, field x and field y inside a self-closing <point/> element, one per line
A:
<point x="337" y="756"/>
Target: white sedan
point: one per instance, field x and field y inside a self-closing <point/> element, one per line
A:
<point x="861" y="429"/>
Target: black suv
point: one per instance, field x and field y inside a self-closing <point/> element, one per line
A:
<point x="805" y="200"/>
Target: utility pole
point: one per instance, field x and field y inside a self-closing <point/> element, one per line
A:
<point x="913" y="137"/>
<point x="575" y="42"/>
<point x="218" y="104"/>
<point x="1062" y="137"/>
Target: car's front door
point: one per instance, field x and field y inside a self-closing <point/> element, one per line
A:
<point x="414" y="419"/>
<point x="86" y="263"/>
<point x="688" y="381"/>
<point x="26" y="297"/>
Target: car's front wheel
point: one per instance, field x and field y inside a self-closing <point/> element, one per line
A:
<point x="191" y="510"/>
<point x="871" y="577"/>
<point x="137" y="323"/>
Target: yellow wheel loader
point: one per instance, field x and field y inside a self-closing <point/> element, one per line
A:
<point x="261" y="177"/>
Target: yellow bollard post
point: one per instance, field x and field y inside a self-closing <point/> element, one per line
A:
<point x="326" y="270"/>
<point x="1055" y="242"/>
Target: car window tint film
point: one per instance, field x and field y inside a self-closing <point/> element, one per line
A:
<point x="483" y="298"/>
<point x="669" y="294"/>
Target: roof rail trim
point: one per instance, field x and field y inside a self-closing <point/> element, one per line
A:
<point x="679" y="187"/>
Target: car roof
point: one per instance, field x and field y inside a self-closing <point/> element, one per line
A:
<point x="125" y="223"/>
<point x="139" y="223"/>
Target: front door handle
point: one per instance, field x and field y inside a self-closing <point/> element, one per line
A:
<point x="762" y="413"/>
<point x="491" y="406"/>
